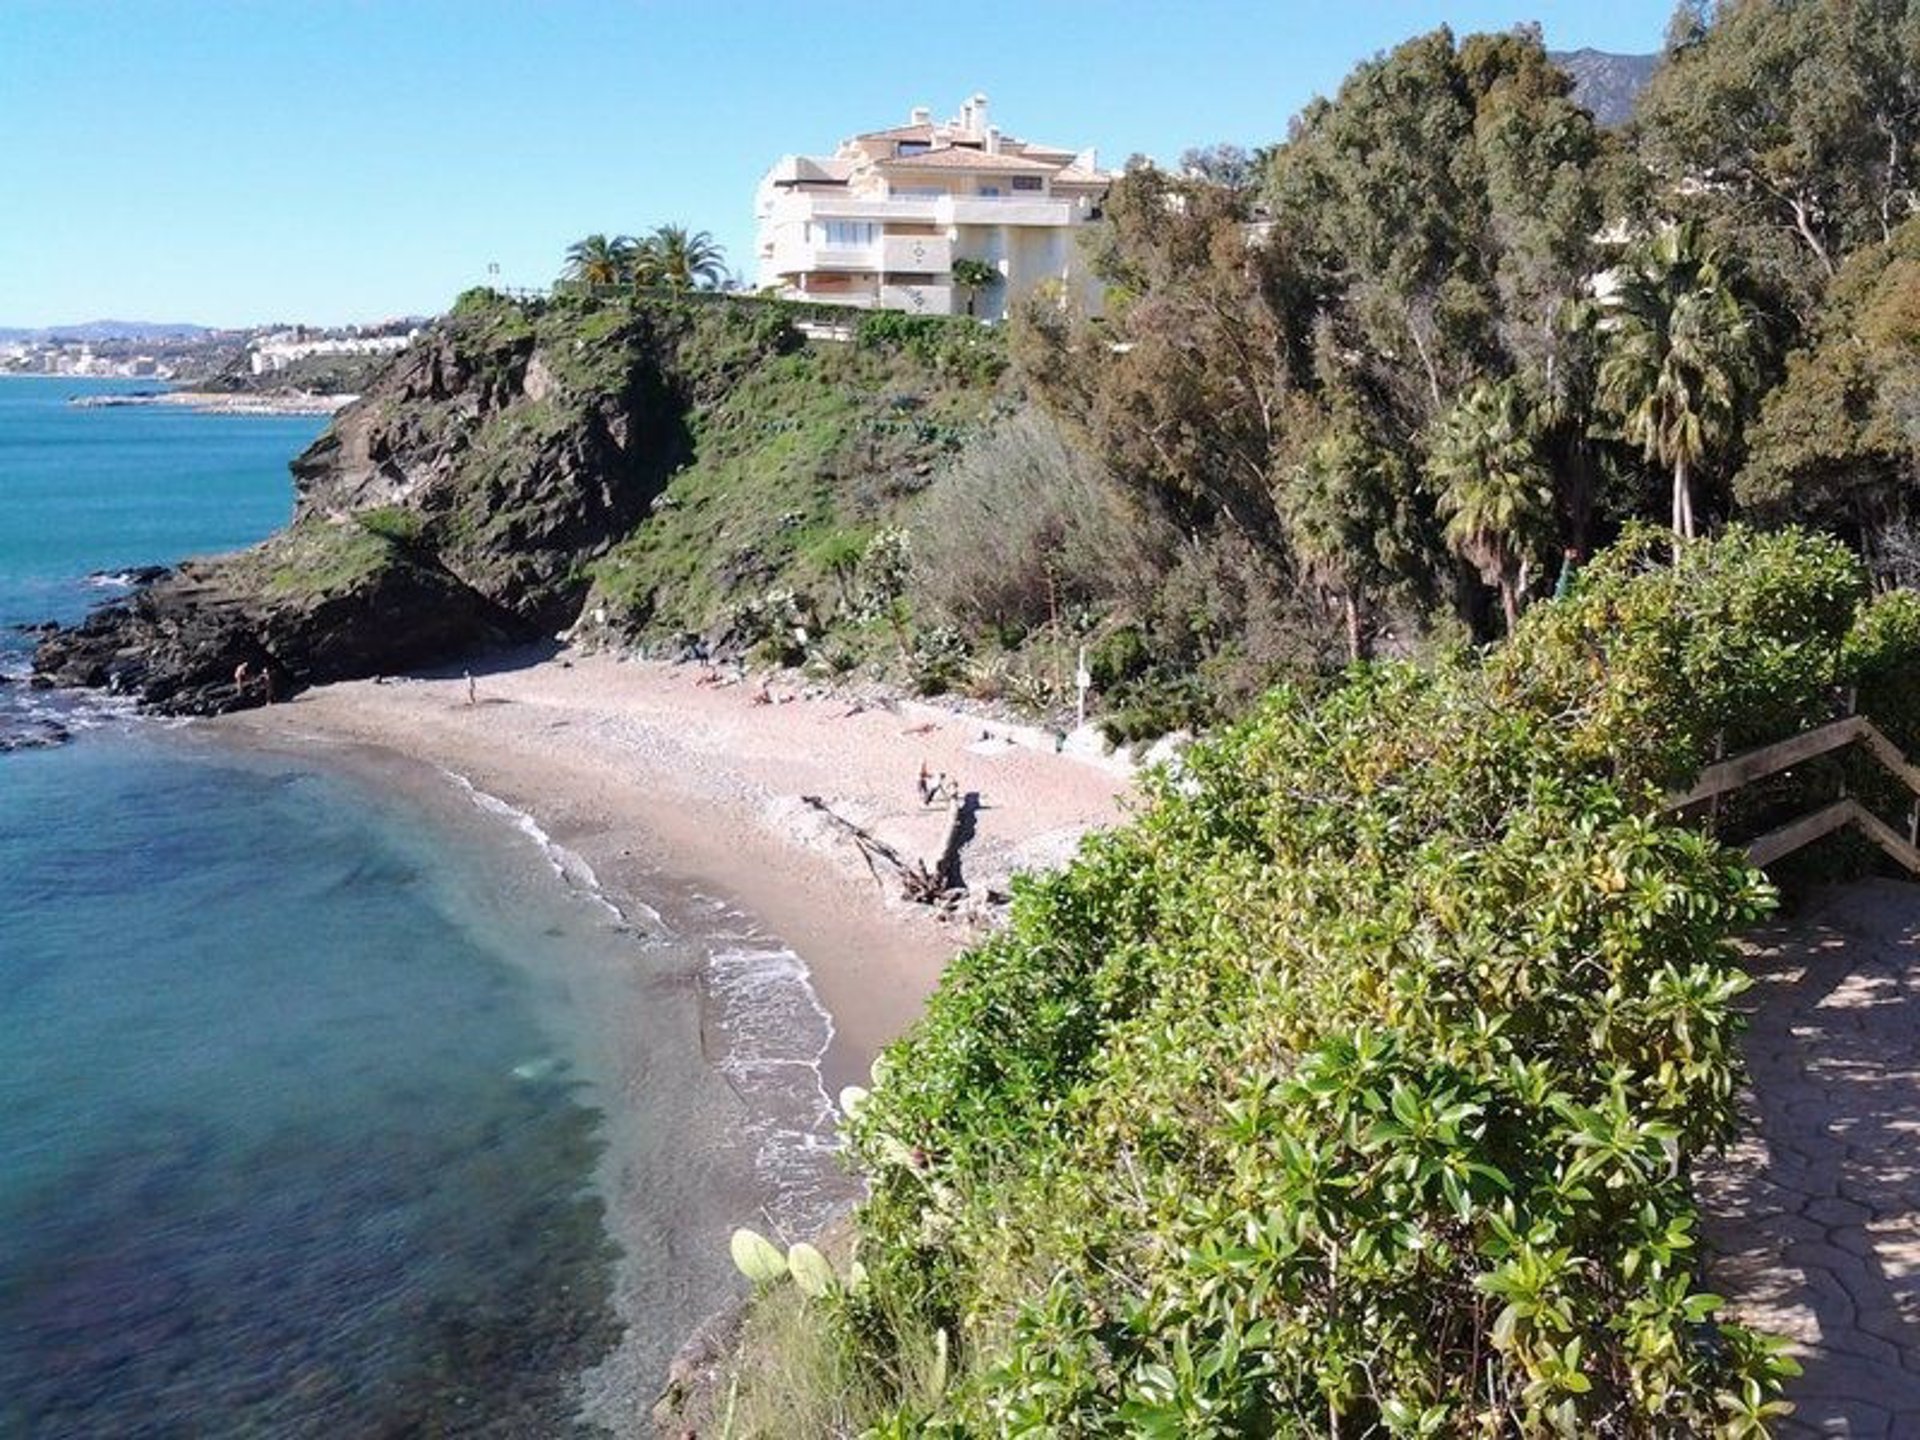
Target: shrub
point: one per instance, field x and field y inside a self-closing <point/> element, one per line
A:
<point x="937" y="660"/>
<point x="403" y="527"/>
<point x="1357" y="1084"/>
<point x="1022" y="528"/>
<point x="1122" y="656"/>
<point x="1882" y="660"/>
<point x="1655" y="667"/>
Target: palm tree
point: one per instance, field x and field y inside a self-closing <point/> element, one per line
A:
<point x="1677" y="353"/>
<point x="1338" y="505"/>
<point x="598" y="260"/>
<point x="973" y="276"/>
<point x="679" y="259"/>
<point x="1493" y="488"/>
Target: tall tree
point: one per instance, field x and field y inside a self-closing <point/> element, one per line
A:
<point x="1345" y="507"/>
<point x="1837" y="443"/>
<point x="1185" y="391"/>
<point x="1679" y="347"/>
<point x="1446" y="195"/>
<point x="1492" y="485"/>
<point x="680" y="259"/>
<point x="1795" y="117"/>
<point x="602" y="260"/>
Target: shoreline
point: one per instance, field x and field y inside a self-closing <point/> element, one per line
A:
<point x="217" y="402"/>
<point x="659" y="782"/>
<point x="677" y="806"/>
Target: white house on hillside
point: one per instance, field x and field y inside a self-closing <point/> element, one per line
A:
<point x="882" y="220"/>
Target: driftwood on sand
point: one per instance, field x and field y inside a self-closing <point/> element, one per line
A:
<point x="941" y="885"/>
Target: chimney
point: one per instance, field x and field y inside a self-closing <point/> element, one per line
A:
<point x="978" y="107"/>
<point x="920" y="115"/>
<point x="993" y="140"/>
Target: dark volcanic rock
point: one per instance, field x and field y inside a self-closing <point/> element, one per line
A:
<point x="39" y="735"/>
<point x="178" y="645"/>
<point x="133" y="576"/>
<point x="515" y="446"/>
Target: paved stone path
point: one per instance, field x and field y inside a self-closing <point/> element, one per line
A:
<point x="1815" y="1217"/>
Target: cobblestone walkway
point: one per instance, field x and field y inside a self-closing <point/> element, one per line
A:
<point x="1815" y="1218"/>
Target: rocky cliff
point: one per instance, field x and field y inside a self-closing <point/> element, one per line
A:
<point x="454" y="506"/>
<point x="670" y="466"/>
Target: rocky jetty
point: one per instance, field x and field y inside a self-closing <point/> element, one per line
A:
<point x="454" y="506"/>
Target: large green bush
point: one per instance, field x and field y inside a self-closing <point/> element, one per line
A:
<point x="1356" y="1087"/>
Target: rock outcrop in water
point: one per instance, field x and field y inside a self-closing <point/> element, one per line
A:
<point x="455" y="506"/>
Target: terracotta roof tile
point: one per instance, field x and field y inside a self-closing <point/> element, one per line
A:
<point x="962" y="158"/>
<point x="900" y="132"/>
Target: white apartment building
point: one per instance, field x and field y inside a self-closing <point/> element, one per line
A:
<point x="882" y="220"/>
<point x="270" y="354"/>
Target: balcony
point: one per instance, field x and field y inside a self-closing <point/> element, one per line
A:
<point x="896" y="254"/>
<point x="924" y="254"/>
<point x="787" y="209"/>
<point x="1007" y="210"/>
<point x="794" y="256"/>
<point x="939" y="210"/>
<point x="918" y="299"/>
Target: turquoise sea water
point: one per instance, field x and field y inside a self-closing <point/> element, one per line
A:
<point x="327" y="1107"/>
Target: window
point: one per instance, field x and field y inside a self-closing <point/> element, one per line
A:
<point x="845" y="234"/>
<point x="912" y="147"/>
<point x="990" y="190"/>
<point x="1028" y="182"/>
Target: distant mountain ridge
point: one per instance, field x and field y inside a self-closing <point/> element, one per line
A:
<point x="1605" y="84"/>
<point x="105" y="330"/>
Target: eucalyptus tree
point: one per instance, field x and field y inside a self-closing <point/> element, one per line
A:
<point x="1446" y="198"/>
<point x="1837" y="442"/>
<point x="1678" y="355"/>
<point x="1188" y="388"/>
<point x="1796" y="123"/>
<point x="1492" y="486"/>
<point x="602" y="260"/>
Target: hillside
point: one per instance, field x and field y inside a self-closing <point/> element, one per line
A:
<point x="1605" y="85"/>
<point x="106" y="330"/>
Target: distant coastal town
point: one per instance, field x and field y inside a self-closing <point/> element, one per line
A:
<point x="316" y="359"/>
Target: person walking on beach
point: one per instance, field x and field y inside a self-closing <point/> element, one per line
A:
<point x="473" y="691"/>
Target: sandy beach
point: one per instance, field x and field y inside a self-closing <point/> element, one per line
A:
<point x="646" y="769"/>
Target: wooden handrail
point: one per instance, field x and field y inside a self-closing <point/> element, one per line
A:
<point x="1796" y="834"/>
<point x="1767" y="760"/>
<point x="1751" y="765"/>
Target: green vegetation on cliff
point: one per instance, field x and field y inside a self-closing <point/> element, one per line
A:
<point x="794" y="463"/>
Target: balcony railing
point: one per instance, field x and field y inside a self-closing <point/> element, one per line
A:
<point x="894" y="254"/>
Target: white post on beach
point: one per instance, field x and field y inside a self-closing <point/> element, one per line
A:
<point x="1082" y="682"/>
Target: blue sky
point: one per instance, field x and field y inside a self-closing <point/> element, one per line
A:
<point x="331" y="161"/>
